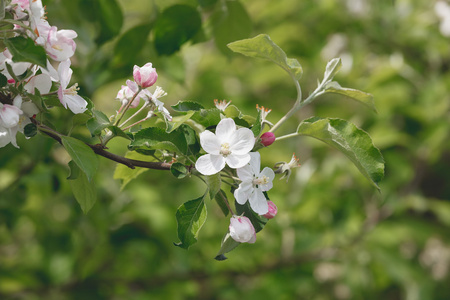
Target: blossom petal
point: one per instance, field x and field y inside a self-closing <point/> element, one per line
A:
<point x="237" y="161"/>
<point x="269" y="173"/>
<point x="225" y="130"/>
<point x="243" y="192"/>
<point x="76" y="103"/>
<point x="255" y="163"/>
<point x="245" y="173"/>
<point x="210" y="164"/>
<point x="64" y="73"/>
<point x="5" y="138"/>
<point x="209" y="142"/>
<point x="242" y="141"/>
<point x="258" y="202"/>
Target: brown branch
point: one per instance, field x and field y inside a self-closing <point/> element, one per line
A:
<point x="99" y="149"/>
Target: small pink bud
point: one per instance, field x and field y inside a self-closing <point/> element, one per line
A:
<point x="145" y="76"/>
<point x="272" y="210"/>
<point x="267" y="138"/>
<point x="11" y="81"/>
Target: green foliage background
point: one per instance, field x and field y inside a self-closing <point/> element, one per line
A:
<point x="335" y="237"/>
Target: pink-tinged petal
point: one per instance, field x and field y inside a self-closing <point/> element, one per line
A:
<point x="258" y="202"/>
<point x="242" y="230"/>
<point x="75" y="103"/>
<point x="242" y="141"/>
<point x="243" y="192"/>
<point x="9" y="116"/>
<point x="255" y="163"/>
<point x="209" y="164"/>
<point x="132" y="86"/>
<point x="64" y="73"/>
<point x="209" y="142"/>
<point x="237" y="161"/>
<point x="225" y="129"/>
<point x="269" y="173"/>
<point x="273" y="210"/>
<point x="245" y="173"/>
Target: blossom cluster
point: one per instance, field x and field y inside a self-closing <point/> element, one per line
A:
<point x="16" y="108"/>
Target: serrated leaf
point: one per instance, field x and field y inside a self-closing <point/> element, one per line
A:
<point x="24" y="49"/>
<point x="213" y="182"/>
<point x="83" y="189"/>
<point x="263" y="47"/>
<point x="353" y="142"/>
<point x="227" y="245"/>
<point x="364" y="98"/>
<point x="178" y="170"/>
<point x="190" y="218"/>
<point x="185" y="106"/>
<point x="175" y="26"/>
<point x="153" y="138"/>
<point x="82" y="155"/>
<point x="332" y="68"/>
<point x="230" y="23"/>
<point x="178" y="121"/>
<point x="126" y="174"/>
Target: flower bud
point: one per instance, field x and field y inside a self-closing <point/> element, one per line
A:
<point x="145" y="76"/>
<point x="267" y="138"/>
<point x="272" y="210"/>
<point x="242" y="230"/>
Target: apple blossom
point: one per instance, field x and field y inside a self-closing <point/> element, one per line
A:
<point x="242" y="230"/>
<point x="267" y="138"/>
<point x="264" y="113"/>
<point x="253" y="184"/>
<point x="60" y="44"/>
<point x="126" y="94"/>
<point x="221" y="105"/>
<point x="285" y="168"/>
<point x="272" y="210"/>
<point x="69" y="97"/>
<point x="145" y="76"/>
<point x="228" y="145"/>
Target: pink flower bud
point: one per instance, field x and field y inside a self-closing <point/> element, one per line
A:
<point x="145" y="76"/>
<point x="267" y="138"/>
<point x="242" y="230"/>
<point x="272" y="210"/>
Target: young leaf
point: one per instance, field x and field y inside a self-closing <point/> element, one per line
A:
<point x="214" y="183"/>
<point x="190" y="218"/>
<point x="355" y="143"/>
<point x="3" y="80"/>
<point x="263" y="47"/>
<point x="24" y="49"/>
<point x="175" y="26"/>
<point x="178" y="121"/>
<point x="207" y="117"/>
<point x="98" y="122"/>
<point x="83" y="189"/>
<point x="364" y="98"/>
<point x="185" y="106"/>
<point x="178" y="170"/>
<point x="220" y="198"/>
<point x="227" y="245"/>
<point x="156" y="138"/>
<point x="332" y="68"/>
<point x="116" y="131"/>
<point x="82" y="155"/>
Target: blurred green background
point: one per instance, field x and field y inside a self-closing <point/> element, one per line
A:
<point x="335" y="236"/>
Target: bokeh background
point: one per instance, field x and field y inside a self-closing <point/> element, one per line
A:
<point x="335" y="236"/>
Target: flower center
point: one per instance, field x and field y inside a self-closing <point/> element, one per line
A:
<point x="225" y="149"/>
<point x="72" y="90"/>
<point x="261" y="180"/>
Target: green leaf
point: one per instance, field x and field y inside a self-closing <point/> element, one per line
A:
<point x="332" y="68"/>
<point x="190" y="218"/>
<point x="257" y="127"/>
<point x="130" y="44"/>
<point x="355" y="143"/>
<point x="116" y="131"/>
<point x="30" y="130"/>
<point x="80" y="119"/>
<point x="178" y="170"/>
<point x="175" y="26"/>
<point x="74" y="171"/>
<point x="2" y="9"/>
<point x="83" y="189"/>
<point x="82" y="155"/>
<point x="127" y="174"/>
<point x="230" y="23"/>
<point x="207" y="117"/>
<point x="98" y="122"/>
<point x="178" y="121"/>
<point x="220" y="198"/>
<point x="258" y="221"/>
<point x="213" y="182"/>
<point x="185" y="106"/>
<point x="110" y="18"/>
<point x="3" y="80"/>
<point x="364" y="98"/>
<point x="227" y="245"/>
<point x="24" y="49"/>
<point x="156" y="138"/>
<point x="263" y="47"/>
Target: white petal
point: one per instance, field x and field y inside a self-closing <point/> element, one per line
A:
<point x="245" y="173"/>
<point x="243" y="192"/>
<point x="242" y="141"/>
<point x="225" y="129"/>
<point x="42" y="82"/>
<point x="209" y="164"/>
<point x="255" y="162"/>
<point x="269" y="173"/>
<point x="75" y="103"/>
<point x="5" y="138"/>
<point x="64" y="73"/>
<point x="209" y="142"/>
<point x="237" y="161"/>
<point x="258" y="202"/>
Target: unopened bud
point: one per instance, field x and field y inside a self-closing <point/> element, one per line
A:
<point x="272" y="210"/>
<point x="145" y="76"/>
<point x="267" y="138"/>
